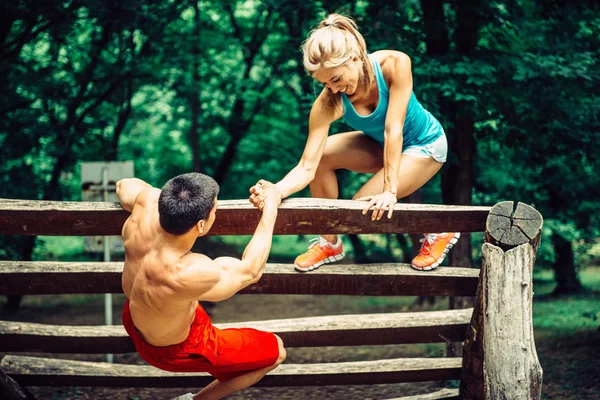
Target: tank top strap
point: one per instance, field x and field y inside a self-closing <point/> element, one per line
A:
<point x="381" y="84"/>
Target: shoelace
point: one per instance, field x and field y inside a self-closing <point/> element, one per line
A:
<point x="315" y="244"/>
<point x="427" y="241"/>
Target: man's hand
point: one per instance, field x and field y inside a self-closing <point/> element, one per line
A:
<point x="265" y="194"/>
<point x="380" y="203"/>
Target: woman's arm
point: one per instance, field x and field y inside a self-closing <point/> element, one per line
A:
<point x="400" y="86"/>
<point x="321" y="118"/>
<point x="397" y="72"/>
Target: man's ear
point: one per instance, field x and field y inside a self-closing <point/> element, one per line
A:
<point x="200" y="226"/>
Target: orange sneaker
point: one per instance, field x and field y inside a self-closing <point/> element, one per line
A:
<point x="319" y="252"/>
<point x="434" y="249"/>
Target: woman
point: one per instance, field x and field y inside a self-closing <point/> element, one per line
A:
<point x="396" y="139"/>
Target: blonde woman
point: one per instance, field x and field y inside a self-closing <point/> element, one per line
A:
<point x="395" y="139"/>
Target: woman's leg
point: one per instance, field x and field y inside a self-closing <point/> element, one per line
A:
<point x="414" y="173"/>
<point x="357" y="152"/>
<point x="353" y="151"/>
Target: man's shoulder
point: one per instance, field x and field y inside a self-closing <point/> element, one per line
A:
<point x="195" y="269"/>
<point x="198" y="260"/>
<point x="147" y="196"/>
<point x="146" y="203"/>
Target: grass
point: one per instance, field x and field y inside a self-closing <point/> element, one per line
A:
<point x="567" y="314"/>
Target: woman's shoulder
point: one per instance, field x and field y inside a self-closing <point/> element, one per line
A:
<point x="327" y="107"/>
<point x="392" y="62"/>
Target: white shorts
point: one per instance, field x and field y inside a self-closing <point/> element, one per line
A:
<point x="438" y="149"/>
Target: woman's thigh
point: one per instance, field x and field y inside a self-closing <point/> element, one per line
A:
<point x="354" y="151"/>
<point x="414" y="173"/>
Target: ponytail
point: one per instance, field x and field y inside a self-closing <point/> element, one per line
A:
<point x="335" y="42"/>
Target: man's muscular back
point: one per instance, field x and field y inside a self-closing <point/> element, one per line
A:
<point x="161" y="308"/>
<point x="162" y="278"/>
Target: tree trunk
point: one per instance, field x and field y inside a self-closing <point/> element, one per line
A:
<point x="124" y="115"/>
<point x="194" y="95"/>
<point x="360" y="254"/>
<point x="227" y="158"/>
<point x="564" y="266"/>
<point x="457" y="184"/>
<point x="436" y="30"/>
<point x="500" y="359"/>
<point x="407" y="251"/>
<point x="13" y="302"/>
<point x="457" y="178"/>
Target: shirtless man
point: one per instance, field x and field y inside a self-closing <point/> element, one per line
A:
<point x="164" y="281"/>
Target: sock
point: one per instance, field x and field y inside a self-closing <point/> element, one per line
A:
<point x="337" y="244"/>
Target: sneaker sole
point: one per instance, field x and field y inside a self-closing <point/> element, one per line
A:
<point x="327" y="260"/>
<point x="442" y="257"/>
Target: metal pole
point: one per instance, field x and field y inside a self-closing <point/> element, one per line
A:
<point x="108" y="318"/>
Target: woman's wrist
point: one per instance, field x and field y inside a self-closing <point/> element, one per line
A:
<point x="279" y="190"/>
<point x="390" y="191"/>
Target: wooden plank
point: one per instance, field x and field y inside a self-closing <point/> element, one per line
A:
<point x="33" y="371"/>
<point x="335" y="330"/>
<point x="444" y="394"/>
<point x="386" y="279"/>
<point x="238" y="217"/>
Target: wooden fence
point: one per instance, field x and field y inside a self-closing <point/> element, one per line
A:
<point x="499" y="359"/>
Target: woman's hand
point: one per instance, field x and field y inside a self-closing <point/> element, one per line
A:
<point x="263" y="192"/>
<point x="380" y="203"/>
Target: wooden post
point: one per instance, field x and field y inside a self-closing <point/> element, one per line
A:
<point x="499" y="356"/>
<point x="11" y="390"/>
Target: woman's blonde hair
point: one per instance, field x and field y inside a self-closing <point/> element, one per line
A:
<point x="335" y="42"/>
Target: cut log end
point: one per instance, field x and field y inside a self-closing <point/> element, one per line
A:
<point x="508" y="226"/>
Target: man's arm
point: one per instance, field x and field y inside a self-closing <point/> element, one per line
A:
<point x="128" y="190"/>
<point x="225" y="276"/>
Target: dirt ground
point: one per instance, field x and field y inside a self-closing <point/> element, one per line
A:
<point x="571" y="366"/>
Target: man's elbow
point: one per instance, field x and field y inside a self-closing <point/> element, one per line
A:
<point x="253" y="275"/>
<point x="121" y="185"/>
<point x="124" y="194"/>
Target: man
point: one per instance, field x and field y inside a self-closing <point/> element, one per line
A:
<point x="164" y="281"/>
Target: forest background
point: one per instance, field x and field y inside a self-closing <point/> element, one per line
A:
<point x="218" y="87"/>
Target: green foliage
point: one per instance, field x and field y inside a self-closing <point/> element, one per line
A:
<point x="219" y="87"/>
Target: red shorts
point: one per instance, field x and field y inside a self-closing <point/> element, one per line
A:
<point x="223" y="353"/>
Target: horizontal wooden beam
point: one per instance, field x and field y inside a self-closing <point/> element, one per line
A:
<point x="444" y="394"/>
<point x="334" y="330"/>
<point x="391" y="279"/>
<point x="239" y="217"/>
<point x="33" y="371"/>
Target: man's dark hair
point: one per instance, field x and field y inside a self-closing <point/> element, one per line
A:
<point x="185" y="200"/>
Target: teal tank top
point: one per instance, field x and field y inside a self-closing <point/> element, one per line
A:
<point x="420" y="127"/>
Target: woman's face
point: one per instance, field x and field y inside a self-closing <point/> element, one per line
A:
<point x="342" y="79"/>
